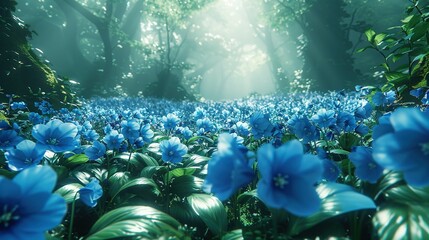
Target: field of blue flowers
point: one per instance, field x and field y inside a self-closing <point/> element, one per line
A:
<point x="265" y="167"/>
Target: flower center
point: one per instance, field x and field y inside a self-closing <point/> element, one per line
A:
<point x="425" y="148"/>
<point x="7" y="216"/>
<point x="281" y="181"/>
<point x="371" y="165"/>
<point x="170" y="153"/>
<point x="52" y="141"/>
<point x="28" y="160"/>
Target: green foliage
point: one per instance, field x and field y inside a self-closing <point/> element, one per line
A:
<point x="135" y="221"/>
<point x="336" y="199"/>
<point x="402" y="211"/>
<point x="211" y="211"/>
<point x="405" y="51"/>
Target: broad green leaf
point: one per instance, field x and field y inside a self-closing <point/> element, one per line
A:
<point x="141" y="182"/>
<point x="185" y="185"/>
<point x="370" y="34"/>
<point x="177" y="172"/>
<point x="419" y="31"/>
<point x="76" y="160"/>
<point x="211" y="211"/>
<point x="396" y="77"/>
<point x="149" y="171"/>
<point x="68" y="192"/>
<point x="234" y="235"/>
<point x="336" y="199"/>
<point x="196" y="160"/>
<point x="402" y="221"/>
<point x="116" y="181"/>
<point x="136" y="160"/>
<point x="184" y="213"/>
<point x="193" y="139"/>
<point x="339" y="151"/>
<point x="135" y="221"/>
<point x="349" y="140"/>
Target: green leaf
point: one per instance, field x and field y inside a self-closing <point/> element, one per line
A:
<point x="378" y="39"/>
<point x="6" y="173"/>
<point x="402" y="221"/>
<point x="185" y="185"/>
<point x="135" y="221"/>
<point x="419" y="31"/>
<point x="193" y="139"/>
<point x="149" y="171"/>
<point x="68" y="192"/>
<point x="211" y="211"/>
<point x="246" y="196"/>
<point x="364" y="49"/>
<point x="339" y="151"/>
<point x="234" y="235"/>
<point x="76" y="159"/>
<point x="177" y="172"/>
<point x="348" y="140"/>
<point x="116" y="181"/>
<point x="370" y="34"/>
<point x="396" y="77"/>
<point x="336" y="199"/>
<point x="141" y="182"/>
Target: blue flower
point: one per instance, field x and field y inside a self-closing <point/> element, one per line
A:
<point x="229" y="168"/>
<point x="113" y="140"/>
<point x="130" y="129"/>
<point x="206" y="124"/>
<point x="406" y="148"/>
<point x="91" y="135"/>
<point x="186" y="132"/>
<point x="146" y="133"/>
<point x="56" y="135"/>
<point x="366" y="168"/>
<point x="331" y="170"/>
<point x="9" y="139"/>
<point x="384" y="126"/>
<point x="241" y="128"/>
<point x="90" y="194"/>
<point x="18" y="105"/>
<point x="96" y="151"/>
<point x="170" y="121"/>
<point x="324" y="118"/>
<point x="364" y="111"/>
<point x="27" y="206"/>
<point x="26" y="154"/>
<point x="172" y="150"/>
<point x="384" y="98"/>
<point x="345" y="122"/>
<point x="417" y="93"/>
<point x="261" y="125"/>
<point x="302" y="128"/>
<point x="288" y="178"/>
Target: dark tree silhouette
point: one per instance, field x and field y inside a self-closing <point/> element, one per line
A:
<point x="327" y="58"/>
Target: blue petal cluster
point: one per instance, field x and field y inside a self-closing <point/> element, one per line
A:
<point x="288" y="178"/>
<point x="404" y="146"/>
<point x="229" y="169"/>
<point x="27" y="206"/>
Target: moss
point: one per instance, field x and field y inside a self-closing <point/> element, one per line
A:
<point x="22" y="72"/>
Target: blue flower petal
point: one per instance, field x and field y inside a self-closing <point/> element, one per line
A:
<point x="36" y="179"/>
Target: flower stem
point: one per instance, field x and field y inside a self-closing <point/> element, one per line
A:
<point x="72" y="216"/>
